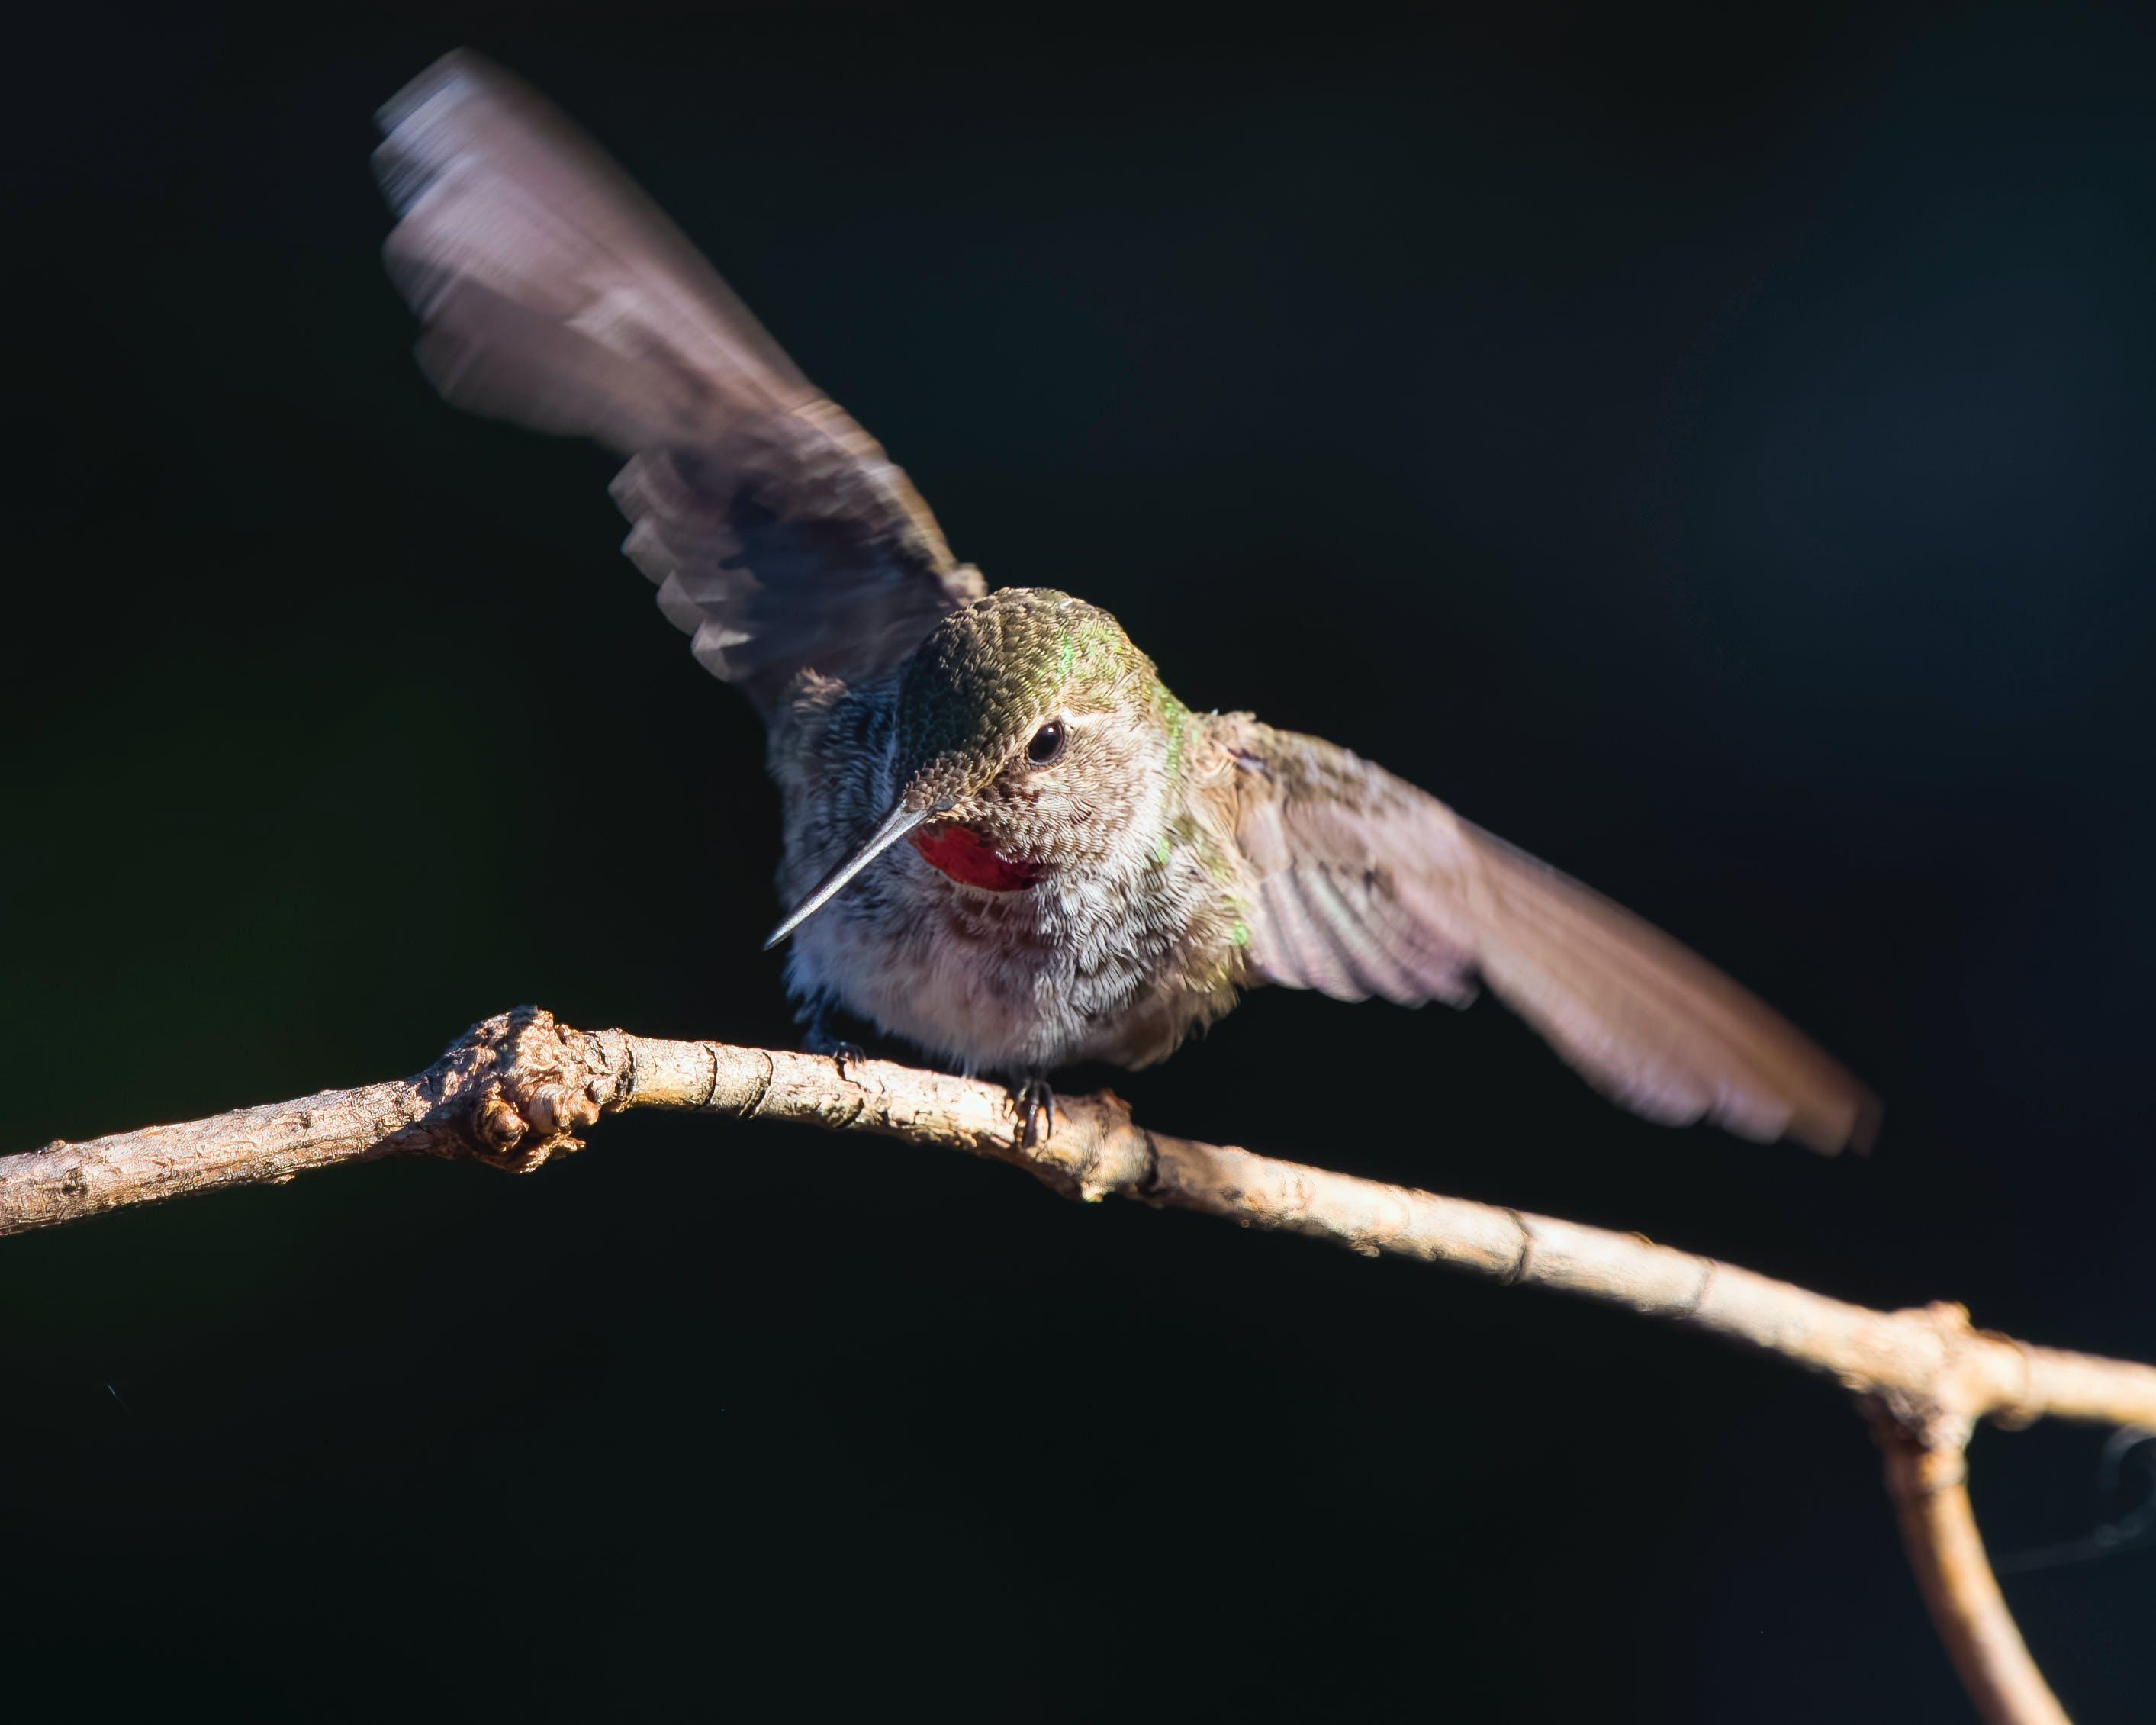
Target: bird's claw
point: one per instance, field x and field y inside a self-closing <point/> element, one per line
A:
<point x="1036" y="1101"/>
<point x="818" y="1037"/>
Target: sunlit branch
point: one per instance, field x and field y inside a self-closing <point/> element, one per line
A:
<point x="517" y="1090"/>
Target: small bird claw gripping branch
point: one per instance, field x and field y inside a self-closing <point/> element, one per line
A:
<point x="517" y="1091"/>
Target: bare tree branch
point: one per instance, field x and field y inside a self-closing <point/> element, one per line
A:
<point x="1928" y="1478"/>
<point x="516" y="1089"/>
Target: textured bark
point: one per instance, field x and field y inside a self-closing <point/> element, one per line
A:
<point x="1928" y="1478"/>
<point x="517" y="1090"/>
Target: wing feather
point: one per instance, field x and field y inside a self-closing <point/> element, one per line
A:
<point x="555" y="294"/>
<point x="1363" y="885"/>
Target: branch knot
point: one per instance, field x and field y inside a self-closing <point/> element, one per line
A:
<point x="1096" y="1152"/>
<point x="514" y="1091"/>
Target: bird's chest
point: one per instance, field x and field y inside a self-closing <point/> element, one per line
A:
<point x="1024" y="980"/>
<point x="987" y="975"/>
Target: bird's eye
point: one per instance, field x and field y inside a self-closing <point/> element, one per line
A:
<point x="1047" y="743"/>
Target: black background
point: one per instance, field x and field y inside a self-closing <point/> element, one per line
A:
<point x="1715" y="455"/>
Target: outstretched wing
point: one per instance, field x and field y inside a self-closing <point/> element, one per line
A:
<point x="555" y="294"/>
<point x="1363" y="884"/>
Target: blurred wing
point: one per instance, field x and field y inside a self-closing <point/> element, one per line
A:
<point x="1364" y="885"/>
<point x="553" y="293"/>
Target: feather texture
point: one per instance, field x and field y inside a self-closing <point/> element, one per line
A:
<point x="555" y="294"/>
<point x="1360" y="885"/>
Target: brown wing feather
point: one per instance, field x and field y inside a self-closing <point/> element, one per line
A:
<point x="555" y="294"/>
<point x="1361" y="885"/>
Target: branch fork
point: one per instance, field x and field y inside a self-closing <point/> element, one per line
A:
<point x="520" y="1089"/>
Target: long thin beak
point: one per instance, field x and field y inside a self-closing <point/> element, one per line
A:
<point x="900" y="821"/>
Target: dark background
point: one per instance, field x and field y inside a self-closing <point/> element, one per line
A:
<point x="1717" y="456"/>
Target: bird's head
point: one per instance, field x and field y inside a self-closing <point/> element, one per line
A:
<point x="1033" y="740"/>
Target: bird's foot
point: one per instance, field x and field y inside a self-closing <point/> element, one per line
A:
<point x="1036" y="1101"/>
<point x="843" y="1054"/>
<point x="818" y="1038"/>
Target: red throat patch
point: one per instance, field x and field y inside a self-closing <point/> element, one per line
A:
<point x="964" y="854"/>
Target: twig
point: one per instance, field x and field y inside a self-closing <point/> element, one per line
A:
<point x="1928" y="1478"/>
<point x="515" y="1091"/>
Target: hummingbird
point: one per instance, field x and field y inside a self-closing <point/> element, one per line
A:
<point x="1006" y="841"/>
